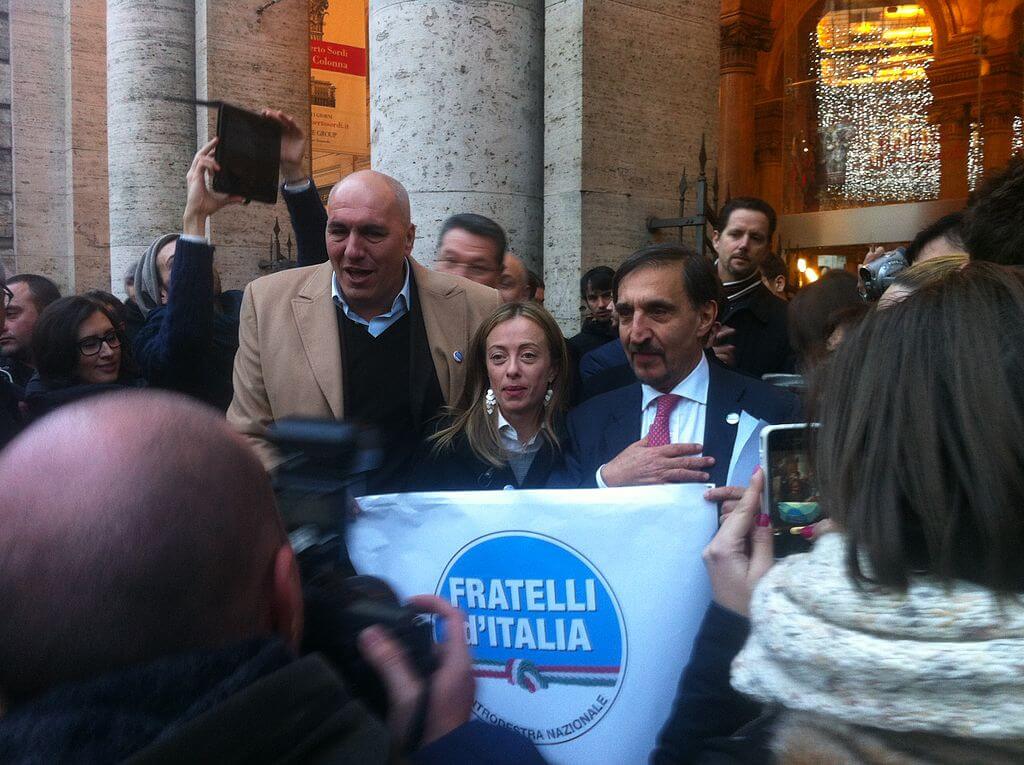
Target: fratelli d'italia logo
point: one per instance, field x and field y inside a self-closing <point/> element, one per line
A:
<point x="545" y="630"/>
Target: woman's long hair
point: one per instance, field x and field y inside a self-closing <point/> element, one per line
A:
<point x="920" y="453"/>
<point x="469" y="416"/>
<point x="55" y="337"/>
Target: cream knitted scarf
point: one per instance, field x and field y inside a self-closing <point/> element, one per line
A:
<point x="935" y="659"/>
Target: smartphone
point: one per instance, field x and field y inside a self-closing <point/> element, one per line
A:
<point x="790" y="495"/>
<point x="249" y="154"/>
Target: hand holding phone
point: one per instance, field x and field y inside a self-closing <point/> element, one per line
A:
<point x="790" y="497"/>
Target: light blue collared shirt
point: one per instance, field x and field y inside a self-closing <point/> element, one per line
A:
<point x="378" y="324"/>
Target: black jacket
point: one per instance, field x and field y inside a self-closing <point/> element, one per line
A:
<point x="189" y="345"/>
<point x="459" y="469"/>
<point x="710" y="722"/>
<point x="251" y="702"/>
<point x="43" y="395"/>
<point x="762" y="333"/>
<point x="11" y="397"/>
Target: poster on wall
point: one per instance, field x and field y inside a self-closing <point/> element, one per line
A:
<point x="581" y="605"/>
<point x="338" y="78"/>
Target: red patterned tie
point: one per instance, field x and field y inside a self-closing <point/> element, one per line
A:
<point x="658" y="435"/>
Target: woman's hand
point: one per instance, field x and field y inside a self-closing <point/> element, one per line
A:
<point x="742" y="550"/>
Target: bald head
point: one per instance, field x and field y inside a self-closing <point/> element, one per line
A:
<point x="514" y="284"/>
<point x="369" y="184"/>
<point x="136" y="525"/>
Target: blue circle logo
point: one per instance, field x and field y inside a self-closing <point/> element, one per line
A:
<point x="546" y="634"/>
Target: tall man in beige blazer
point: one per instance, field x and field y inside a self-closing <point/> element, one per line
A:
<point x="370" y="336"/>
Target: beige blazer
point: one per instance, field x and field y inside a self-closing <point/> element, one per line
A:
<point x="289" y="352"/>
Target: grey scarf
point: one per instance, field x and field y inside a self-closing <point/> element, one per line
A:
<point x="147" y="277"/>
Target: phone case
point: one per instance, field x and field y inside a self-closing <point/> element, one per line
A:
<point x="249" y="154"/>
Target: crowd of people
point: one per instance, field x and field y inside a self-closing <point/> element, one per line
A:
<point x="154" y="608"/>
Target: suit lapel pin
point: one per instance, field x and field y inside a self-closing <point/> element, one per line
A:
<point x="732" y="418"/>
<point x="457" y="356"/>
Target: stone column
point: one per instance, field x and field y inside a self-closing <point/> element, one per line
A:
<point x="745" y="31"/>
<point x="456" y="112"/>
<point x="953" y="119"/>
<point x="151" y="141"/>
<point x="253" y="61"/>
<point x="630" y="89"/>
<point x="768" y="152"/>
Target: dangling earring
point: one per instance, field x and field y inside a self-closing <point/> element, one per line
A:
<point x="548" y="395"/>
<point x="490" y="400"/>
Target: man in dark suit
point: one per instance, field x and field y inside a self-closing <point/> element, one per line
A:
<point x="686" y="420"/>
<point x="753" y="337"/>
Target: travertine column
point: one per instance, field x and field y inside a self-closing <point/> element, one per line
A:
<point x="252" y="61"/>
<point x="768" y="154"/>
<point x="150" y="57"/>
<point x="456" y="112"/>
<point x="630" y="89"/>
<point x="745" y="31"/>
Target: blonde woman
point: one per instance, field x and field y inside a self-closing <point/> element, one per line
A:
<point x="505" y="430"/>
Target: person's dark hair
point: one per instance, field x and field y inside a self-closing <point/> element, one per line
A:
<point x="948" y="226"/>
<point x="40" y="289"/>
<point x="107" y="299"/>
<point x="919" y="454"/>
<point x="811" y="310"/>
<point x="533" y="282"/>
<point x="773" y="267"/>
<point x="478" y="225"/>
<point x="991" y="228"/>
<point x="55" y="337"/>
<point x="700" y="279"/>
<point x="847" y="317"/>
<point x="129" y="275"/>
<point x="748" y="203"/>
<point x="598" y="279"/>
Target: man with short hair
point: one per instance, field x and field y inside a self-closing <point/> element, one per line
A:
<point x="471" y="246"/>
<point x="943" y="237"/>
<point x="153" y="610"/>
<point x="774" y="275"/>
<point x="753" y="337"/>
<point x="599" y="314"/>
<point x="31" y="294"/>
<point x="514" y="284"/>
<point x="535" y="285"/>
<point x="370" y="335"/>
<point x="685" y="420"/>
<point x="992" y="227"/>
<point x="11" y="394"/>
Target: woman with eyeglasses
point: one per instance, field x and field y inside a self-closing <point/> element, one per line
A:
<point x="79" y="350"/>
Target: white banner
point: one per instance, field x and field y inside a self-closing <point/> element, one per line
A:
<point x="582" y="605"/>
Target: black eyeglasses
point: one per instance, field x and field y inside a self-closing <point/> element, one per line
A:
<point x="8" y="295"/>
<point x="90" y="346"/>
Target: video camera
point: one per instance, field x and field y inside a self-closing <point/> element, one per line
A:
<point x="326" y="463"/>
<point x="879" y="274"/>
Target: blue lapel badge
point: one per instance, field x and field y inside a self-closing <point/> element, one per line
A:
<point x="458" y="357"/>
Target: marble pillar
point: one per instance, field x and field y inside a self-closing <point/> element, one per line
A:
<point x="252" y="61"/>
<point x="630" y="89"/>
<point x="456" y="113"/>
<point x="6" y="158"/>
<point x="151" y="141"/>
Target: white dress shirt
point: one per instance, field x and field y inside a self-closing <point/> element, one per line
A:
<point x="376" y="325"/>
<point x="686" y="423"/>
<point x="520" y="456"/>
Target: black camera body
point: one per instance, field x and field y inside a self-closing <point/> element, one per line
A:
<point x="879" y="274"/>
<point x="325" y="461"/>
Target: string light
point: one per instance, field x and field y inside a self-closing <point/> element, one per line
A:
<point x="975" y="157"/>
<point x="873" y="98"/>
<point x="1018" y="135"/>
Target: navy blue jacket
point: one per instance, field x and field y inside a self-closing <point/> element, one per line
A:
<point x="309" y="222"/>
<point x="711" y="722"/>
<point x="189" y="344"/>
<point x="602" y="427"/>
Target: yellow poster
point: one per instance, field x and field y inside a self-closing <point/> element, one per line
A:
<point x="338" y="82"/>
